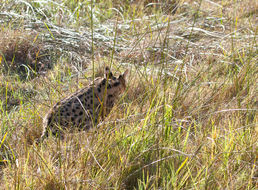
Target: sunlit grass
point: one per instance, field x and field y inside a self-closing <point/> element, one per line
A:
<point x="187" y="120"/>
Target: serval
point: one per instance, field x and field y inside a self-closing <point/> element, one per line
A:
<point x="86" y="107"/>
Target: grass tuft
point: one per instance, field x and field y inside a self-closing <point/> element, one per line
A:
<point x="188" y="119"/>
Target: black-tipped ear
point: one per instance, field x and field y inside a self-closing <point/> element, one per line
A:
<point x="108" y="73"/>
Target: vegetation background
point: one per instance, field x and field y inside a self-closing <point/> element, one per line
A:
<point x="187" y="120"/>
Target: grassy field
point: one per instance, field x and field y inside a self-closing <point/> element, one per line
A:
<point x="188" y="119"/>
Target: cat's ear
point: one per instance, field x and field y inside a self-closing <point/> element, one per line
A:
<point x="108" y="73"/>
<point x="125" y="74"/>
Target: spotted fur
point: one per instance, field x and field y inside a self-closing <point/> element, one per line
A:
<point x="84" y="108"/>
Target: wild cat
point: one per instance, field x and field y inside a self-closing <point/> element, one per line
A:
<point x="84" y="108"/>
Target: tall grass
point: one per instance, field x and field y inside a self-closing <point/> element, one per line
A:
<point x="187" y="120"/>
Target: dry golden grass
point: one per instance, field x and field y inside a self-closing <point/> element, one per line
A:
<point x="188" y="119"/>
<point x="23" y="54"/>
